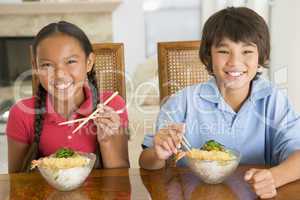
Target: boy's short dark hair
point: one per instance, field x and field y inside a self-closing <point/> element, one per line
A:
<point x="237" y="24"/>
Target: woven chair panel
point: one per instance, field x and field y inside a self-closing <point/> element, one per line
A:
<point x="106" y="70"/>
<point x="183" y="69"/>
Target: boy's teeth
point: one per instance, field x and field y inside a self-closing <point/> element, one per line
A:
<point x="235" y="73"/>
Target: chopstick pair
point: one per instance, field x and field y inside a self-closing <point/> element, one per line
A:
<point x="186" y="144"/>
<point x="82" y="119"/>
<point x="91" y="116"/>
<point x="184" y="141"/>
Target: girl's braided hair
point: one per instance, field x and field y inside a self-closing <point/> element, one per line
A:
<point x="75" y="32"/>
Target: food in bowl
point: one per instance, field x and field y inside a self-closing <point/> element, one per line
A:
<point x="66" y="169"/>
<point x="213" y="163"/>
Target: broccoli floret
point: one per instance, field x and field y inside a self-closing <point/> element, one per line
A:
<point x="213" y="145"/>
<point x="64" y="153"/>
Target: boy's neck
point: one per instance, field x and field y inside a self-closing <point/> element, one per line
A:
<point x="235" y="98"/>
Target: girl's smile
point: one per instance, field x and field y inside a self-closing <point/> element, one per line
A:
<point x="63" y="66"/>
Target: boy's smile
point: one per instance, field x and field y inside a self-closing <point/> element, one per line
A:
<point x="234" y="64"/>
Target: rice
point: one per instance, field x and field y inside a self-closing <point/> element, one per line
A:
<point x="212" y="166"/>
<point x="65" y="179"/>
<point x="66" y="174"/>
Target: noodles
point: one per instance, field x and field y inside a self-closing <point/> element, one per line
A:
<point x="210" y="155"/>
<point x="52" y="162"/>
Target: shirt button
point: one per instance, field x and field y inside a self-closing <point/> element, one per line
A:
<point x="69" y="137"/>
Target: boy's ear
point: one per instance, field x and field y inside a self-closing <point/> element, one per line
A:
<point x="90" y="61"/>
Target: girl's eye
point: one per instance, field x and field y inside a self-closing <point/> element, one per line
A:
<point x="46" y="65"/>
<point x="71" y="61"/>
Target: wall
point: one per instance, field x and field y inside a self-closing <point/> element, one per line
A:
<point x="128" y="27"/>
<point x="285" y="32"/>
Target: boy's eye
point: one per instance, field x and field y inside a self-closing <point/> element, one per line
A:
<point x="247" y="52"/>
<point x="223" y="51"/>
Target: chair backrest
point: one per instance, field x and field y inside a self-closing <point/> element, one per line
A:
<point x="109" y="68"/>
<point x="179" y="66"/>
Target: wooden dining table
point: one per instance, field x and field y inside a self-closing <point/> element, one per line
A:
<point x="122" y="184"/>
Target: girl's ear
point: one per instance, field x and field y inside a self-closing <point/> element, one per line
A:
<point x="90" y="61"/>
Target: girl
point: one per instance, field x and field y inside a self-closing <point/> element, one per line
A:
<point x="236" y="107"/>
<point x="64" y="59"/>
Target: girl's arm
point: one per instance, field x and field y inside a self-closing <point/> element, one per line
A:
<point x="114" y="150"/>
<point x="16" y="154"/>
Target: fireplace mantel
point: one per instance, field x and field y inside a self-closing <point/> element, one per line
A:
<point x="99" y="6"/>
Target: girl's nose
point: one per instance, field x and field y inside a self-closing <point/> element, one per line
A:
<point x="59" y="72"/>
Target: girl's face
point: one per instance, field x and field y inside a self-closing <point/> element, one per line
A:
<point x="234" y="64"/>
<point x="62" y="66"/>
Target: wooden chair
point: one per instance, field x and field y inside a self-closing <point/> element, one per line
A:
<point x="179" y="66"/>
<point x="109" y="68"/>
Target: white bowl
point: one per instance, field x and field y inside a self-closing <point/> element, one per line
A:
<point x="68" y="179"/>
<point x="211" y="171"/>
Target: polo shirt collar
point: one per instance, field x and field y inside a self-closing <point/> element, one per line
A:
<point x="209" y="91"/>
<point x="259" y="90"/>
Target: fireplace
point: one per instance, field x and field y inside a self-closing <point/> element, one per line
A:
<point x="14" y="58"/>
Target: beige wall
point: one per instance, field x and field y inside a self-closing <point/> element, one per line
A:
<point x="285" y="33"/>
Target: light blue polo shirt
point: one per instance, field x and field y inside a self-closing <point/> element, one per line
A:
<point x="265" y="130"/>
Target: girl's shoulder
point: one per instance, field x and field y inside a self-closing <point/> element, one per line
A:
<point x="104" y="95"/>
<point x="24" y="106"/>
<point x="20" y="121"/>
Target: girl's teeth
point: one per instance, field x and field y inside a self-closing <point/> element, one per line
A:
<point x="62" y="86"/>
<point x="235" y="74"/>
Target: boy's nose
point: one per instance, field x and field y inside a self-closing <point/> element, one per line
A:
<point x="234" y="60"/>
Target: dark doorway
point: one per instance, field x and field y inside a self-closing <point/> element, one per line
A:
<point x="14" y="58"/>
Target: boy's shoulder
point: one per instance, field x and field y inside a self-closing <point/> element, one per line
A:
<point x="191" y="92"/>
<point x="264" y="89"/>
<point x="198" y="87"/>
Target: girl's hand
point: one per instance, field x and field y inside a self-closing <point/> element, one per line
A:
<point x="262" y="182"/>
<point x="167" y="140"/>
<point x="107" y="122"/>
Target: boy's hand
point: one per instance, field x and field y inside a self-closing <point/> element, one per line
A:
<point x="262" y="182"/>
<point x="167" y="140"/>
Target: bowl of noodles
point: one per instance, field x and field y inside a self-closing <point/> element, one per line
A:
<point x="213" y="163"/>
<point x="66" y="169"/>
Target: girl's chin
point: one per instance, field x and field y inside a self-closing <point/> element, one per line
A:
<point x="62" y="95"/>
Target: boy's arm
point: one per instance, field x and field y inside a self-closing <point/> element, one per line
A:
<point x="288" y="171"/>
<point x="149" y="160"/>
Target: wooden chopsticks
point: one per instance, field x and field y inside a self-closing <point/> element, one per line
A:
<point x="82" y="119"/>
<point x="184" y="141"/>
<point x="91" y="116"/>
<point x="97" y="110"/>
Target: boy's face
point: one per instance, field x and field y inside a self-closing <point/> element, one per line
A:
<point x="234" y="64"/>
